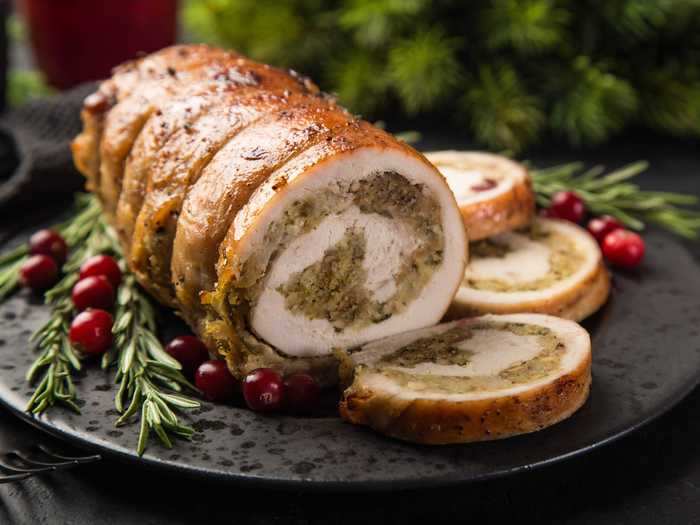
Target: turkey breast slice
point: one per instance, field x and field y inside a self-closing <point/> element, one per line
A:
<point x="553" y="267"/>
<point x="354" y="239"/>
<point x="474" y="379"/>
<point x="494" y="193"/>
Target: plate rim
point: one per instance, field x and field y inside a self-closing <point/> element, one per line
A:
<point x="312" y="485"/>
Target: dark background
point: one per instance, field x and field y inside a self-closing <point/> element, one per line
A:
<point x="649" y="477"/>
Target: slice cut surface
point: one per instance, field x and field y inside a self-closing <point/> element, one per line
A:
<point x="552" y="267"/>
<point x="494" y="193"/>
<point x="469" y="380"/>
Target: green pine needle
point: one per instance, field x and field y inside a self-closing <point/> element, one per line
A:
<point x="375" y="22"/>
<point x="359" y="82"/>
<point x="424" y="69"/>
<point x="529" y="26"/>
<point x="503" y="114"/>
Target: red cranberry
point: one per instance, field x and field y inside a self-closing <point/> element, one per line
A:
<point x="102" y="265"/>
<point x="48" y="242"/>
<point x="301" y="392"/>
<point x="263" y="390"/>
<point x="189" y="351"/>
<point x="623" y="248"/>
<point x="215" y="381"/>
<point x="599" y="227"/>
<point x="39" y="272"/>
<point x="91" y="332"/>
<point x="93" y="292"/>
<point x="566" y="205"/>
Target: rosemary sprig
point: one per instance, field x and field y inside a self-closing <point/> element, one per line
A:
<point x="74" y="231"/>
<point x="614" y="194"/>
<point x="57" y="359"/>
<point x="149" y="379"/>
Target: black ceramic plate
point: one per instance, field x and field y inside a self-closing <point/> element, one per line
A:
<point x="646" y="344"/>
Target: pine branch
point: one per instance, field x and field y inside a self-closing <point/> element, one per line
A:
<point x="530" y="26"/>
<point x="502" y="113"/>
<point x="595" y="105"/>
<point x="375" y="22"/>
<point x="424" y="69"/>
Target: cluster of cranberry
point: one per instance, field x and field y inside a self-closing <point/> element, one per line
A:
<point x="93" y="294"/>
<point x="620" y="247"/>
<point x="91" y="332"/>
<point x="264" y="390"/>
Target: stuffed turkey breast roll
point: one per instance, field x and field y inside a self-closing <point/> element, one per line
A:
<point x="279" y="225"/>
<point x="354" y="238"/>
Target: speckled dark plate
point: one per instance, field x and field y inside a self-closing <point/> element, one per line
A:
<point x="646" y="344"/>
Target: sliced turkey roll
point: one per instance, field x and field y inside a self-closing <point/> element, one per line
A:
<point x="474" y="379"/>
<point x="493" y="192"/>
<point x="552" y="267"/>
<point x="279" y="225"/>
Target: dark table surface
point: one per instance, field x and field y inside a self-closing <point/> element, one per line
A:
<point x="649" y="477"/>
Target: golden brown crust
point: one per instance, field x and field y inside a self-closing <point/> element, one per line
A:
<point x="439" y="422"/>
<point x="508" y="211"/>
<point x="574" y="304"/>
<point x="178" y="165"/>
<point x="125" y="120"/>
<point x="125" y="80"/>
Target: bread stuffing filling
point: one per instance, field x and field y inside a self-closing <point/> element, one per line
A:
<point x="337" y="287"/>
<point x="564" y="259"/>
<point x="333" y="288"/>
<point x="451" y="349"/>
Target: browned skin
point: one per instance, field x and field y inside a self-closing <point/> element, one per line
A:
<point x="125" y="120"/>
<point x="126" y="79"/>
<point x="217" y="108"/>
<point x="575" y="304"/>
<point x="154" y="137"/>
<point x="440" y="422"/>
<point x="510" y="210"/>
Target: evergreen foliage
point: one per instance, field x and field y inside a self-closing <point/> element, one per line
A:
<point x="510" y="71"/>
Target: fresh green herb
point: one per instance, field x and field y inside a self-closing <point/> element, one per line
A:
<point x="614" y="194"/>
<point x="150" y="381"/>
<point x="145" y="371"/>
<point x="57" y="359"/>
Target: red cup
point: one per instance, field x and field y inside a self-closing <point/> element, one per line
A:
<point x="76" y="41"/>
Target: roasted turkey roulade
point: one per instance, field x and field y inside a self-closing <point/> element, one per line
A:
<point x="279" y="225"/>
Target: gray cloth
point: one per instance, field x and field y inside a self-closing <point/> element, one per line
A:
<point x="35" y="158"/>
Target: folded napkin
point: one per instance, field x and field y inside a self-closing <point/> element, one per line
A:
<point x="35" y="158"/>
